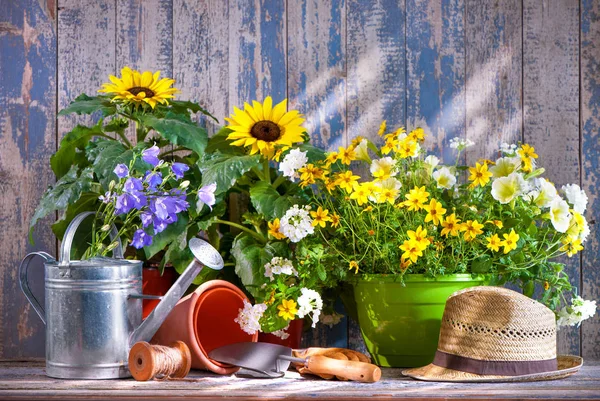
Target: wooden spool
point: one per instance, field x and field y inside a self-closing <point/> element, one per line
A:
<point x="144" y="361"/>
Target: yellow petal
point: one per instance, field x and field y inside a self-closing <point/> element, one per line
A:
<point x="279" y="111"/>
<point x="146" y="79"/>
<point x="258" y="110"/>
<point x="267" y="108"/>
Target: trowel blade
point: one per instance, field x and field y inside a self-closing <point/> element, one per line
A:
<point x="254" y="356"/>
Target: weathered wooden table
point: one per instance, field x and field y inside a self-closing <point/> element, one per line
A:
<point x="26" y="381"/>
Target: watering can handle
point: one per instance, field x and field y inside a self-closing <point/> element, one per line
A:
<point x="65" y="248"/>
<point x="24" y="283"/>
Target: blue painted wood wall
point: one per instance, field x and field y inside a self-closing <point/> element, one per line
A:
<point x="488" y="70"/>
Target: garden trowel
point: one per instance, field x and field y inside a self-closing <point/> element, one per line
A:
<point x="272" y="360"/>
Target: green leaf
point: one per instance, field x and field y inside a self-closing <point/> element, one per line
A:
<point x="209" y="219"/>
<point x="313" y="154"/>
<point x="83" y="104"/>
<point x="225" y="169"/>
<point x="87" y="202"/>
<point x="247" y="253"/>
<point x="180" y="107"/>
<point x="482" y="265"/>
<point x="267" y="201"/>
<point x="179" y="131"/>
<point x="64" y="192"/>
<point x="67" y="153"/>
<point x="219" y="143"/>
<point x="166" y="237"/>
<point x="106" y="154"/>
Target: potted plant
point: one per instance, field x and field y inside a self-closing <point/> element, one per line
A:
<point x="412" y="231"/>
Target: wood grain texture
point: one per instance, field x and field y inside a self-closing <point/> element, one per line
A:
<point x="494" y="76"/>
<point x="551" y="105"/>
<point x="144" y="38"/>
<point x="376" y="62"/>
<point x="316" y="74"/>
<point x="590" y="146"/>
<point x="27" y="381"/>
<point x="435" y="65"/>
<point x="201" y="55"/>
<point x="86" y="52"/>
<point x="28" y="138"/>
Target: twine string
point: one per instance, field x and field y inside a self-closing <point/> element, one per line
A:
<point x="168" y="361"/>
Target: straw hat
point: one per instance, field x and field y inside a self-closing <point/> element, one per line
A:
<point x="492" y="334"/>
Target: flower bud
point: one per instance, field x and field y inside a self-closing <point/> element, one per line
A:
<point x="535" y="173"/>
<point x="184" y="184"/>
<point x="112" y="246"/>
<point x="111" y="185"/>
<point x="105" y="228"/>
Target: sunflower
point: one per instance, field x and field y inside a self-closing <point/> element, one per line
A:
<point x="264" y="127"/>
<point x="139" y="88"/>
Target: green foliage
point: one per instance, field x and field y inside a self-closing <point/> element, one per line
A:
<point x="225" y="170"/>
<point x="270" y="203"/>
<point x="178" y="130"/>
<point x="84" y="104"/>
<point x="73" y="143"/>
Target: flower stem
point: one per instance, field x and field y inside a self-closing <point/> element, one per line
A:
<point x="266" y="170"/>
<point x="254" y="234"/>
<point x="280" y="180"/>
<point x="168" y="152"/>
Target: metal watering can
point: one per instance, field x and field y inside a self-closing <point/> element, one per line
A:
<point x="93" y="312"/>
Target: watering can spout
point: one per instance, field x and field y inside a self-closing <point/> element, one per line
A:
<point x="204" y="255"/>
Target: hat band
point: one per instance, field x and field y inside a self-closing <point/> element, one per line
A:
<point x="495" y="368"/>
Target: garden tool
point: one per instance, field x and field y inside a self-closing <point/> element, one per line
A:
<point x="93" y="308"/>
<point x="272" y="360"/>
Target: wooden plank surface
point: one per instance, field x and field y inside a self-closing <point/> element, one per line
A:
<point x="494" y="76"/>
<point x="551" y="105"/>
<point x="435" y="62"/>
<point x="24" y="381"/>
<point x="590" y="146"/>
<point x="27" y="124"/>
<point x="201" y="55"/>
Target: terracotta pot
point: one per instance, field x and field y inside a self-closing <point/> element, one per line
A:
<point x="293" y="341"/>
<point x="204" y="321"/>
<point x="155" y="284"/>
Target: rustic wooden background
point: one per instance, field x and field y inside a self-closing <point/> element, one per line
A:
<point x="489" y="70"/>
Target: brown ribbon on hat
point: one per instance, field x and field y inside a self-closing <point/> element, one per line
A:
<point x="495" y="368"/>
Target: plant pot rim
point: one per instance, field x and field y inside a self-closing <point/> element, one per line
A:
<point x="421" y="278"/>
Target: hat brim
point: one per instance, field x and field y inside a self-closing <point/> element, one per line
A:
<point x="567" y="365"/>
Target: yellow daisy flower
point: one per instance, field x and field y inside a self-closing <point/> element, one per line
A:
<point x="335" y="220"/>
<point x="353" y="265"/>
<point x="361" y="194"/>
<point x="417" y="135"/>
<point x="494" y="243"/>
<point x="320" y="217"/>
<point x="347" y="181"/>
<point x="346" y="155"/>
<point x="356" y="141"/>
<point x="407" y="148"/>
<point x="435" y="212"/>
<point x="419" y="236"/>
<point x="472" y="229"/>
<point x="331" y="158"/>
<point x="527" y="151"/>
<point x="263" y="127"/>
<point x="382" y="128"/>
<point x="140" y="88"/>
<point x="510" y="241"/>
<point x="497" y="223"/>
<point x="287" y="309"/>
<point x="329" y="185"/>
<point x="451" y="226"/>
<point x="274" y="227"/>
<point x="571" y="246"/>
<point x="391" y="144"/>
<point x="416" y="198"/>
<point x="387" y="195"/>
<point x="412" y="250"/>
<point x="479" y="174"/>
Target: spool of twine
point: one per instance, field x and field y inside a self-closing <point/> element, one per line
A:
<point x="147" y="362"/>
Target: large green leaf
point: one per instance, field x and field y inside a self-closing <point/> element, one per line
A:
<point x="179" y="131"/>
<point x="106" y="154"/>
<point x="267" y="201"/>
<point x="225" y="169"/>
<point x="181" y="107"/>
<point x="84" y="104"/>
<point x="64" y="192"/>
<point x="88" y="201"/>
<point x="313" y="154"/>
<point x="220" y="143"/>
<point x="67" y="153"/>
<point x="166" y="237"/>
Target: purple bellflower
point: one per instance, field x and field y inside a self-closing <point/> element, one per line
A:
<point x="179" y="169"/>
<point x="206" y="196"/>
<point x="153" y="179"/>
<point x="150" y="155"/>
<point x="121" y="170"/>
<point x="141" y="239"/>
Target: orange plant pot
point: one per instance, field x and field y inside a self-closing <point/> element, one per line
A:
<point x="204" y="321"/>
<point x="155" y="284"/>
<point x="293" y="341"/>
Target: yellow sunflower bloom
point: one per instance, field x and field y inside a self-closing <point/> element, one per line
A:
<point x="140" y="88"/>
<point x="412" y="250"/>
<point x="263" y="127"/>
<point x="347" y="181"/>
<point x="353" y="265"/>
<point x="416" y="198"/>
<point x="494" y="243"/>
<point x="274" y="229"/>
<point x="451" y="226"/>
<point x="419" y="236"/>
<point x="510" y="241"/>
<point x="472" y="229"/>
<point x="479" y="174"/>
<point x="287" y="309"/>
<point x="435" y="212"/>
<point x="320" y="217"/>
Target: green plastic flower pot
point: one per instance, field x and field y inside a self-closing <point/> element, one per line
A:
<point x="401" y="324"/>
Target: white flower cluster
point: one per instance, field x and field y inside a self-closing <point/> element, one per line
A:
<point x="460" y="143"/>
<point x="576" y="197"/>
<point x="508" y="149"/>
<point x="331" y="320"/>
<point x="292" y="162"/>
<point x="296" y="223"/>
<point x="248" y="317"/>
<point x="310" y="302"/>
<point x="283" y="334"/>
<point x="579" y="310"/>
<point x="279" y="265"/>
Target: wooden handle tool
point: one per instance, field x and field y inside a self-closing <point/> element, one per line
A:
<point x="352" y="370"/>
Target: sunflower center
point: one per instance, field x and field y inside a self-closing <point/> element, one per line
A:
<point x="139" y="89"/>
<point x="266" y="131"/>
